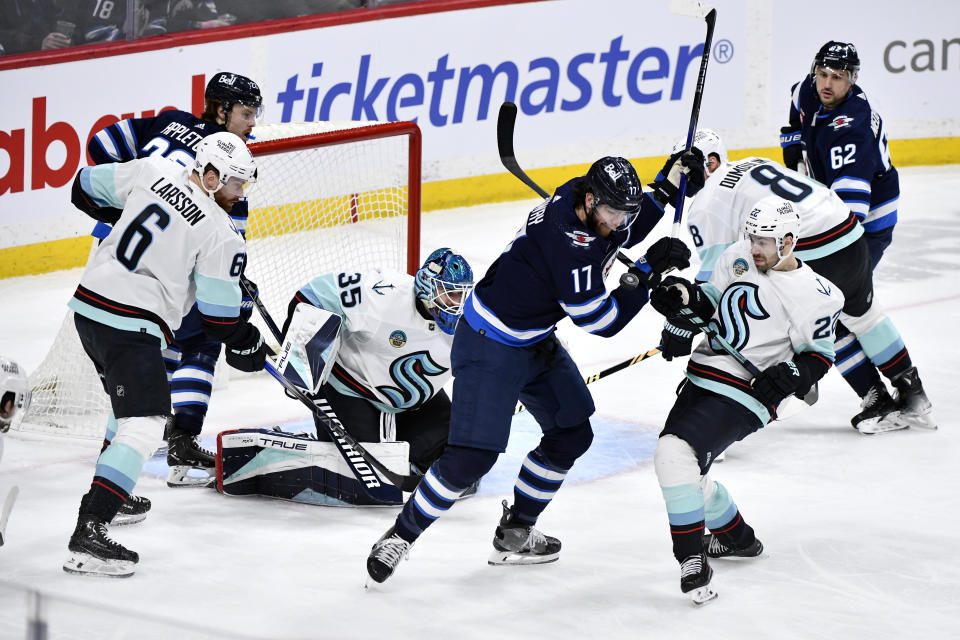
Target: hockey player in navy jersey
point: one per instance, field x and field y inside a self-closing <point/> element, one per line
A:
<point x="779" y="314"/>
<point x="839" y="139"/>
<point x="232" y="103"/>
<point x="833" y="244"/>
<point x="173" y="245"/>
<point x="505" y="350"/>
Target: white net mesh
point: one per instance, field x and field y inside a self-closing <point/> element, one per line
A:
<point x="317" y="207"/>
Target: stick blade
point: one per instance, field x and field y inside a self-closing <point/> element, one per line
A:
<point x="692" y="8"/>
<point x="506" y="121"/>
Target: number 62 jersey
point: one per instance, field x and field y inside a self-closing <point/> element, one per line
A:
<point x="172" y="245"/>
<point x="768" y="317"/>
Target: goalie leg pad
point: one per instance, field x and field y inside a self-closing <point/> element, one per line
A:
<point x="299" y="468"/>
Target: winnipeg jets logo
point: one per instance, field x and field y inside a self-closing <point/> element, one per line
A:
<point x="841" y="121"/>
<point x="580" y="239"/>
<point x="411" y="373"/>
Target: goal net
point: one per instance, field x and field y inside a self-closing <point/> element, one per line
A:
<point x="331" y="196"/>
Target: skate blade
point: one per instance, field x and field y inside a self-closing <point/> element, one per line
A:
<point x="498" y="558"/>
<point x="890" y="422"/>
<point x="120" y="519"/>
<point x="85" y="564"/>
<point x="702" y="595"/>
<point x="919" y="420"/>
<point x="180" y="476"/>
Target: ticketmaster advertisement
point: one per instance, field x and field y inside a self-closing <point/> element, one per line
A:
<point x="590" y="77"/>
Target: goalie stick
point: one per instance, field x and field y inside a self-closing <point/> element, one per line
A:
<point x="5" y="512"/>
<point x="356" y="456"/>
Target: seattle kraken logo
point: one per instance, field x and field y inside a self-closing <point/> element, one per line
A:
<point x="739" y="303"/>
<point x="410" y="373"/>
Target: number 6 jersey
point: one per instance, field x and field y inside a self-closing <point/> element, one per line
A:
<point x="173" y="244"/>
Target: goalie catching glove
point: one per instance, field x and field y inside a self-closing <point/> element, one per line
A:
<point x="667" y="183"/>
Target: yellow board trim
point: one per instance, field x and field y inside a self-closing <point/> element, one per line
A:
<point x="43" y="257"/>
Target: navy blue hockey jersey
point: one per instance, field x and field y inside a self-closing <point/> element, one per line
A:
<point x="846" y="149"/>
<point x="171" y="134"/>
<point x="556" y="267"/>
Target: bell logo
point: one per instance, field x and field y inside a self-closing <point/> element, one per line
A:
<point x="611" y="170"/>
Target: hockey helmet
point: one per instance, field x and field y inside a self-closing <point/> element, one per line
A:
<point x="709" y="142"/>
<point x="443" y="283"/>
<point x="15" y="393"/>
<point x="229" y="155"/>
<point x="232" y="88"/>
<point x="773" y="217"/>
<point x="837" y="56"/>
<point x="614" y="182"/>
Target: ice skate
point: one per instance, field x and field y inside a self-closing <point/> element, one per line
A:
<point x="915" y="409"/>
<point x="132" y="511"/>
<point x="879" y="412"/>
<point x="518" y="543"/>
<point x="185" y="455"/>
<point x="94" y="553"/>
<point x="714" y="548"/>
<point x="695" y="576"/>
<point x="385" y="555"/>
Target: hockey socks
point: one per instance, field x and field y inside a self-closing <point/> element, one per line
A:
<point x="430" y="501"/>
<point x="537" y="483"/>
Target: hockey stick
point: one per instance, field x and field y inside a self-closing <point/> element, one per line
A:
<point x="608" y="371"/>
<point x="7" y="508"/>
<point x="695" y="9"/>
<point x="356" y="456"/>
<point x="506" y="120"/>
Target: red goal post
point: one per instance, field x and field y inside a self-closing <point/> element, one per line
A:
<point x="330" y="196"/>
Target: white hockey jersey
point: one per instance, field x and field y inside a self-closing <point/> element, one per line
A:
<point x="715" y="217"/>
<point x="172" y="245"/>
<point x="768" y="317"/>
<point x="389" y="355"/>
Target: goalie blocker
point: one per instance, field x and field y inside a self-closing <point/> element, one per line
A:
<point x="301" y="469"/>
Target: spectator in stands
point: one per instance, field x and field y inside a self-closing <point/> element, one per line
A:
<point x="31" y="25"/>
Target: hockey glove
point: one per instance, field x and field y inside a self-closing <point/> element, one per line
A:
<point x="676" y="340"/>
<point x="667" y="253"/>
<point x="246" y="301"/>
<point x="672" y="295"/>
<point x="250" y="355"/>
<point x="792" y="148"/>
<point x="779" y="381"/>
<point x="667" y="183"/>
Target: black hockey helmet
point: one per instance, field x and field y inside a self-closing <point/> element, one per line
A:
<point x="614" y="182"/>
<point x="232" y="88"/>
<point x="839" y="56"/>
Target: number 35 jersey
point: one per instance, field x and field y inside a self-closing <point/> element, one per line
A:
<point x="390" y="355"/>
<point x="716" y="216"/>
<point x="172" y="245"/>
<point x="766" y="316"/>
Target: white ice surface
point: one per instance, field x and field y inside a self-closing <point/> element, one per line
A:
<point x="858" y="531"/>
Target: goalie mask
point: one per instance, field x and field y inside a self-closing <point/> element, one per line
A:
<point x="709" y="143"/>
<point x="14" y="393"/>
<point x="443" y="283"/>
<point x="228" y="154"/>
<point x="773" y="217"/>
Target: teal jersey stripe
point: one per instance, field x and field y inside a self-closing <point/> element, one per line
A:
<point x="124" y="323"/>
<point x="746" y="400"/>
<point x="221" y="297"/>
<point x="324" y="293"/>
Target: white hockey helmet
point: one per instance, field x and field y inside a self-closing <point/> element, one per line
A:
<point x="14" y="393"/>
<point x="773" y="217"/>
<point x="708" y="141"/>
<point x="229" y="155"/>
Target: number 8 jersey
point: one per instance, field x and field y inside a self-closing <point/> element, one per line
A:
<point x="716" y="216"/>
<point x="172" y="245"/>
